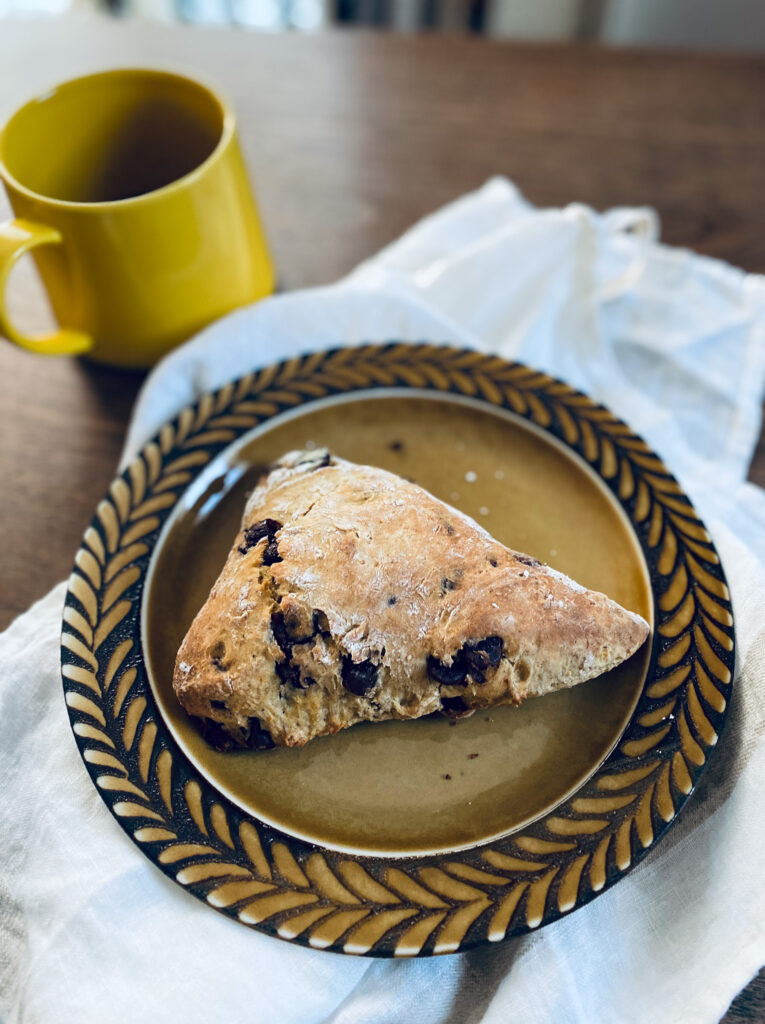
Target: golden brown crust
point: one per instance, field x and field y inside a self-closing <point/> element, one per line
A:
<point x="351" y="595"/>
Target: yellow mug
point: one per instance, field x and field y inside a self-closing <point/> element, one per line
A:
<point x="130" y="188"/>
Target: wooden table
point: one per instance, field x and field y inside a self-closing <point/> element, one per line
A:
<point x="350" y="137"/>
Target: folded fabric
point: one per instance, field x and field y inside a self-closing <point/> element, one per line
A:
<point x="672" y="342"/>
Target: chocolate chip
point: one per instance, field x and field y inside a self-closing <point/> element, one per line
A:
<point x="271" y="554"/>
<point x="392" y="601"/>
<point x="447" y="584"/>
<point x="259" y="738"/>
<point x="491" y="646"/>
<point x="279" y="629"/>
<point x="472" y="660"/>
<point x="448" y="675"/>
<point x="288" y="673"/>
<point x="320" y="622"/>
<point x="308" y="681"/>
<point x="455" y="707"/>
<point x="527" y="560"/>
<point x="478" y="662"/>
<point x="256" y="532"/>
<point x="483" y="655"/>
<point x="449" y="529"/>
<point x="493" y="562"/>
<point x="358" y="677"/>
<point x="218" y="705"/>
<point x="213" y="733"/>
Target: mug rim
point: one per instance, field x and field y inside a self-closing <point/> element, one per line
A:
<point x="228" y="124"/>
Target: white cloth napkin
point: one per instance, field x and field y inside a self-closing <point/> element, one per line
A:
<point x="675" y="344"/>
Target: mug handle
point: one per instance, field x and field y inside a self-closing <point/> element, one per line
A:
<point x="16" y="238"/>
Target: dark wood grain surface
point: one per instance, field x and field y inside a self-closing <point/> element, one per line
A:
<point x="350" y="137"/>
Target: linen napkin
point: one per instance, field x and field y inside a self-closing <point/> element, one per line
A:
<point x="675" y="344"/>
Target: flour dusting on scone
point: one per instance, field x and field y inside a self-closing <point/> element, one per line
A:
<point x="353" y="595"/>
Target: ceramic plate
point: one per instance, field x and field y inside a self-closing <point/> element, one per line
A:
<point x="403" y="838"/>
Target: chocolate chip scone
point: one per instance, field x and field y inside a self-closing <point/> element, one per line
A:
<point x="353" y="595"/>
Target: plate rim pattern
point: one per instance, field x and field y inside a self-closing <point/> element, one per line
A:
<point x="376" y="905"/>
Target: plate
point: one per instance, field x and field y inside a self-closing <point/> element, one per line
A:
<point x="403" y="838"/>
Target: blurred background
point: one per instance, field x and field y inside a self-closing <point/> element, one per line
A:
<point x="704" y="24"/>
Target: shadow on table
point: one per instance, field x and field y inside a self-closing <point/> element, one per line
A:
<point x="112" y="391"/>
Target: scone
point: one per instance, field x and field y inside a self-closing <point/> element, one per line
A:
<point x="352" y="595"/>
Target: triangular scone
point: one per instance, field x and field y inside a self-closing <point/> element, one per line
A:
<point x="351" y="594"/>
